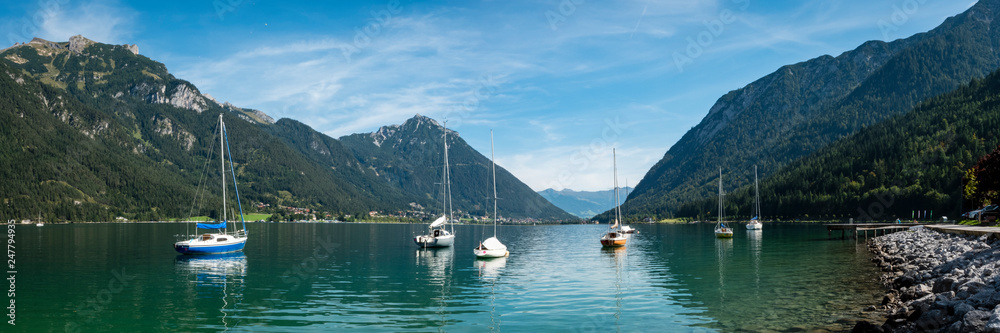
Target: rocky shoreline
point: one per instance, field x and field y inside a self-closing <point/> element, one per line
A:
<point x="937" y="282"/>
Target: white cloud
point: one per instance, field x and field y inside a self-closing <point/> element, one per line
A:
<point x="101" y="21"/>
<point x="579" y="167"/>
<point x="606" y="59"/>
<point x="548" y="129"/>
<point x="425" y="65"/>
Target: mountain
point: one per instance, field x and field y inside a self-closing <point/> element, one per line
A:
<point x="106" y="132"/>
<point x="95" y="131"/>
<point x="803" y="107"/>
<point x="583" y="204"/>
<point x="410" y="157"/>
<point x="907" y="163"/>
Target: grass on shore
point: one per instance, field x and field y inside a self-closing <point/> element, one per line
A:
<point x="247" y="217"/>
<point x="677" y="220"/>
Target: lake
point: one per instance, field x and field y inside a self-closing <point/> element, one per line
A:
<point x="371" y="277"/>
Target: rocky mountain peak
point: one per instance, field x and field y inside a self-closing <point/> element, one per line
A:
<point x="383" y="134"/>
<point x="78" y="43"/>
<point x="419" y="121"/>
<point x="42" y="42"/>
<point x="411" y="125"/>
<point x="250" y="115"/>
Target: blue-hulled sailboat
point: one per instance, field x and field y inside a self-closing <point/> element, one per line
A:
<point x="220" y="241"/>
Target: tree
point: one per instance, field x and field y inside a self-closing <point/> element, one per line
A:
<point x="970" y="188"/>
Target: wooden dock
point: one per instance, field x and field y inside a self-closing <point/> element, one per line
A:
<point x="875" y="228"/>
<point x="878" y="229"/>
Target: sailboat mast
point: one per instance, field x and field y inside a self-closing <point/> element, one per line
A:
<point x="444" y="177"/>
<point x="447" y="178"/>
<point x="614" y="163"/>
<point x="494" y="167"/>
<point x="720" y="195"/>
<point x="222" y="147"/>
<point x="756" y="189"/>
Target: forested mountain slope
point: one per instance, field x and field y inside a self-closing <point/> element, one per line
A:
<point x="911" y="162"/>
<point x="801" y="108"/>
<point x="94" y="131"/>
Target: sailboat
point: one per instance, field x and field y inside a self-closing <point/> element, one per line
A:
<point x="614" y="237"/>
<point x="221" y="241"/>
<point x="625" y="228"/>
<point x="492" y="247"/>
<point x="755" y="221"/>
<point x="437" y="235"/>
<point x="721" y="230"/>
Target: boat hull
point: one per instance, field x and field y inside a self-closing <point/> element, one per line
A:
<point x="212" y="245"/>
<point x="754" y="226"/>
<point x="612" y="242"/>
<point x="429" y="241"/>
<point x="498" y="253"/>
<point x="613" y="239"/>
<point x="724" y="232"/>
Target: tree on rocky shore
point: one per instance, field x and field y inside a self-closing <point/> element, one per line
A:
<point x="982" y="181"/>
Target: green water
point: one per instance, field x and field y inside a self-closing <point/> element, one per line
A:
<point x="371" y="277"/>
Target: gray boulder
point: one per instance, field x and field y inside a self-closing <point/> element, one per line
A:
<point x="975" y="321"/>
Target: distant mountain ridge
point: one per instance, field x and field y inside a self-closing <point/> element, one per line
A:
<point x="583" y="204"/>
<point x="410" y="157"/>
<point x="803" y="107"/>
<point x="893" y="169"/>
<point x="94" y="131"/>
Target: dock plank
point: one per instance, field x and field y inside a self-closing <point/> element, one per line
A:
<point x="890" y="227"/>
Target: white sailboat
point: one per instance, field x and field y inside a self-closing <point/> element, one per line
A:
<point x="437" y="235"/>
<point x="492" y="247"/>
<point x="721" y="230"/>
<point x="221" y="241"/>
<point x="614" y="237"/>
<point x="755" y="221"/>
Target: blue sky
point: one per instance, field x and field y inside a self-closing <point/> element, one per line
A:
<point x="560" y="82"/>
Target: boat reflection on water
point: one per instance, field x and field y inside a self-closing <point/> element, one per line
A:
<point x="723" y="248"/>
<point x="616" y="253"/>
<point x="619" y="257"/>
<point x="489" y="272"/>
<point x="754" y="237"/>
<point x="490" y="268"/>
<point x="214" y="275"/>
<point x="214" y="269"/>
<point x="439" y="263"/>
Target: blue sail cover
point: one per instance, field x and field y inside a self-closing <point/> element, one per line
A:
<point x="220" y="225"/>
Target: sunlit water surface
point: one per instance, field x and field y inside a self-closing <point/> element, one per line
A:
<point x="371" y="277"/>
